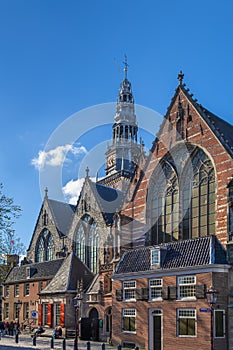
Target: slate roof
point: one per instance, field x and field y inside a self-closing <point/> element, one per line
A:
<point x="63" y="214"/>
<point x="65" y="280"/>
<point x="43" y="270"/>
<point x="94" y="286"/>
<point x="180" y="254"/>
<point x="109" y="199"/>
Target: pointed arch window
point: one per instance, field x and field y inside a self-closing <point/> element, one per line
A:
<point x="45" y="247"/>
<point x="183" y="201"/>
<point x="79" y="243"/>
<point x="199" y="198"/>
<point x="40" y="251"/>
<point x="86" y="242"/>
<point x="164" y="207"/>
<point x="50" y="248"/>
<point x="93" y="242"/>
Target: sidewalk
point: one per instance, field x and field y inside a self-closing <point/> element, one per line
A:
<point x="25" y="342"/>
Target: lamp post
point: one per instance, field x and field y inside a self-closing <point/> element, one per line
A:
<point x="18" y="307"/>
<point x="212" y="300"/>
<point x="77" y="302"/>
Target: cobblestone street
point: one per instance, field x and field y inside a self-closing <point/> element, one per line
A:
<point x="25" y="342"/>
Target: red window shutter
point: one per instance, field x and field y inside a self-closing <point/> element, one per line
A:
<point x="50" y="315"/>
<point x="40" y="314"/>
<point x="62" y="315"/>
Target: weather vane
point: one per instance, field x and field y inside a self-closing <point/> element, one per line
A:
<point x="126" y="66"/>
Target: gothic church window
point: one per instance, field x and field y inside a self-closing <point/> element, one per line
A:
<point x="183" y="201"/>
<point x="86" y="242"/>
<point x="199" y="198"/>
<point x="50" y="248"/>
<point x="40" y="251"/>
<point x="45" y="247"/>
<point x="79" y="243"/>
<point x="164" y="209"/>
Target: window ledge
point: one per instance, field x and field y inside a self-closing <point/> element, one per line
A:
<point x="156" y="299"/>
<point x="187" y="299"/>
<point x="129" y="332"/>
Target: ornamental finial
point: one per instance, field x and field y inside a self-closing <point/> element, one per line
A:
<point x="87" y="171"/>
<point x="46" y="192"/>
<point x="180" y="77"/>
<point x="126" y="66"/>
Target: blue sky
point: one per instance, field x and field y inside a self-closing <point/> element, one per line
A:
<point x="59" y="57"/>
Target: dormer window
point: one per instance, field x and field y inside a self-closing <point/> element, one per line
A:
<point x="155" y="257"/>
<point x="28" y="272"/>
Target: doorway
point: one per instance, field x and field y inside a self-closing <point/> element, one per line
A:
<point x="155" y="329"/>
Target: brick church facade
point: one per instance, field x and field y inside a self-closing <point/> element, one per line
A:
<point x="145" y="243"/>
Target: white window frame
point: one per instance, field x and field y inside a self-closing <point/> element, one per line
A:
<point x="26" y="290"/>
<point x="28" y="272"/>
<point x="45" y="313"/>
<point x="187" y="281"/>
<point x="6" y="310"/>
<point x="128" y="313"/>
<point x="155" y="257"/>
<point x="224" y="323"/>
<point x="129" y="287"/>
<point x="194" y="316"/>
<point x="7" y="291"/>
<point x="155" y="284"/>
<point x="16" y="290"/>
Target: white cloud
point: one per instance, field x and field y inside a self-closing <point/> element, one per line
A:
<point x="55" y="157"/>
<point x="73" y="188"/>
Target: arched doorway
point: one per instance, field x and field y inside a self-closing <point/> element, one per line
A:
<point x="94" y="323"/>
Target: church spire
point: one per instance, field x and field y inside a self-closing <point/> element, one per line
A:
<point x="122" y="154"/>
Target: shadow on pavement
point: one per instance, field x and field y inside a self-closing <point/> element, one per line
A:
<point x="8" y="347"/>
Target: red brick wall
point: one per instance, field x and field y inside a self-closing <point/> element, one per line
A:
<point x="200" y="134"/>
<point x="32" y="299"/>
<point x="169" y="309"/>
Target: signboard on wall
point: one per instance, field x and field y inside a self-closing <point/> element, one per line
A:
<point x="33" y="314"/>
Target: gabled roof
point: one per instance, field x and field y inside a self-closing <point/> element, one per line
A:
<point x="94" y="286"/>
<point x="109" y="199"/>
<point x="180" y="254"/>
<point x="65" y="280"/>
<point x="222" y="129"/>
<point x="39" y="271"/>
<point x="63" y="214"/>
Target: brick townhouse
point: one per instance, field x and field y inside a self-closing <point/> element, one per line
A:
<point x="159" y="296"/>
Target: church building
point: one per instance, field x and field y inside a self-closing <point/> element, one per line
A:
<point x="150" y="243"/>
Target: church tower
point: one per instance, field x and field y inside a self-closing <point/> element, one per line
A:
<point x="123" y="153"/>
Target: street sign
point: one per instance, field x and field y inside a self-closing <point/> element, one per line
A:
<point x="205" y="310"/>
<point x="34" y="314"/>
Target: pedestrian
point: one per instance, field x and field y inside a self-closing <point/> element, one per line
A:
<point x="7" y="328"/>
<point x="2" y="329"/>
<point x="11" y="328"/>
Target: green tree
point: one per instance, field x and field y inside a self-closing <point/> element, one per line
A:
<point x="9" y="243"/>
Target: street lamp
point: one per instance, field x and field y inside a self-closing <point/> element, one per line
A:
<point x="77" y="302"/>
<point x="212" y="300"/>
